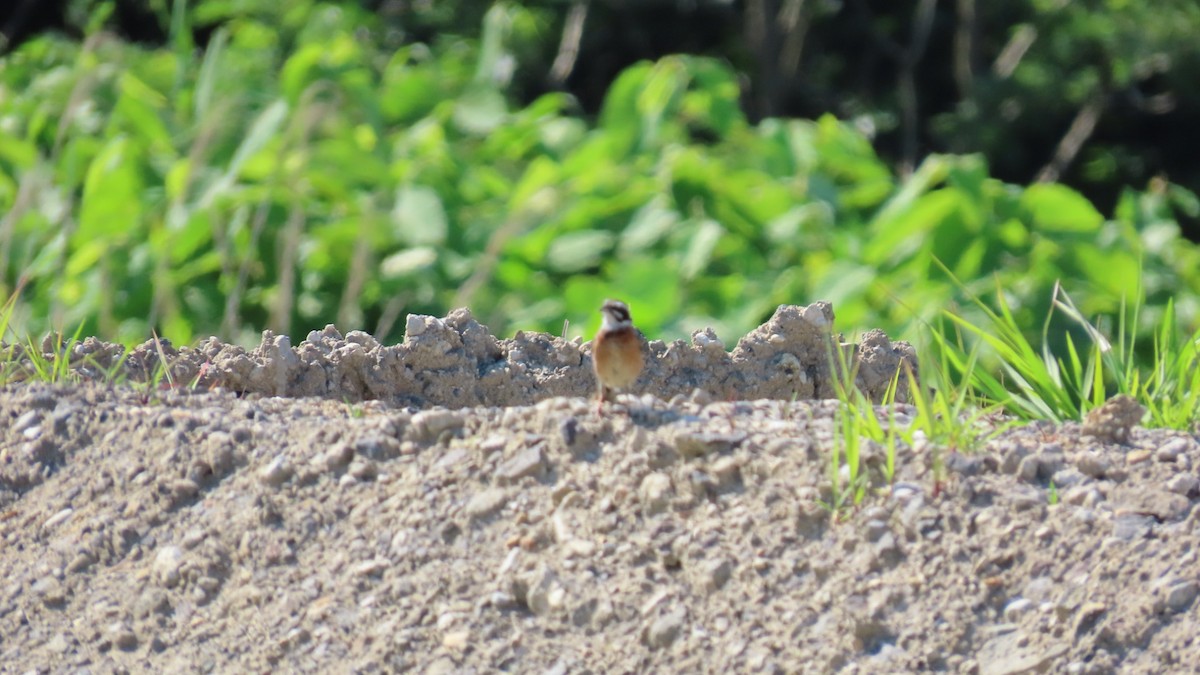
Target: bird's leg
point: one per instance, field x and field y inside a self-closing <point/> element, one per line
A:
<point x="601" y="396"/>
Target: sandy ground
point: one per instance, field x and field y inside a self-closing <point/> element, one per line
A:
<point x="455" y="503"/>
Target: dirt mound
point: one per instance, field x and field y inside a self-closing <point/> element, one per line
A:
<point x="184" y="530"/>
<point x="457" y="362"/>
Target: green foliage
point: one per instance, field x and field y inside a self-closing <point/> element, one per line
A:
<point x="1042" y="385"/>
<point x="304" y="169"/>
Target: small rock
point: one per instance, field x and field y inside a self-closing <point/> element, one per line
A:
<point x="663" y="631"/>
<point x="371" y="568"/>
<point x="431" y="423"/>
<point x="363" y="469"/>
<point x="456" y="640"/>
<point x="58" y="644"/>
<point x="528" y="462"/>
<point x="1114" y="420"/>
<point x="569" y="429"/>
<point x="545" y="593"/>
<point x="486" y="503"/>
<point x="1092" y="464"/>
<point x="1089" y="613"/>
<point x="80" y="563"/>
<point x="655" y="493"/>
<point x="193" y="538"/>
<point x="1050" y="460"/>
<point x="58" y="518"/>
<point x="377" y="446"/>
<point x="28" y="420"/>
<point x="50" y="591"/>
<point x="876" y="528"/>
<point x="1014" y="610"/>
<point x="715" y="573"/>
<point x="1027" y="470"/>
<point x="1184" y="484"/>
<point x="1131" y="526"/>
<point x="167" y="564"/>
<point x="886" y="551"/>
<point x="701" y="444"/>
<point x="1068" y="478"/>
<point x="964" y="465"/>
<point x="277" y="472"/>
<point x="1136" y="456"/>
<point x="578" y="548"/>
<point x="1181" y="595"/>
<point x="727" y="471"/>
<point x="339" y="454"/>
<point x="1163" y="505"/>
<point x="1171" y="450"/>
<point x="184" y="488"/>
<point x="122" y="637"/>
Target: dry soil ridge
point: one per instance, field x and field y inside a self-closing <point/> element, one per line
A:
<point x="195" y="530"/>
<point x="455" y="361"/>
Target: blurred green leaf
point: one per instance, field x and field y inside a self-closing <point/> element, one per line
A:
<point x="577" y="251"/>
<point x="700" y="248"/>
<point x="264" y="129"/>
<point x="420" y="216"/>
<point x="111" y="206"/>
<point x="1058" y="208"/>
<point x="649" y="224"/>
<point x="480" y="110"/>
<point x="408" y="262"/>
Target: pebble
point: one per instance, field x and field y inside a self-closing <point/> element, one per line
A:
<point x="1181" y="594"/>
<point x="664" y="630"/>
<point x="371" y="568"/>
<point x="964" y="465"/>
<point x="545" y="594"/>
<point x="363" y="469"/>
<point x="80" y="562"/>
<point x="527" y="462"/>
<point x="1089" y="613"/>
<point x="51" y="592"/>
<point x="1136" y="456"/>
<point x="1092" y="464"/>
<point x="377" y="446"/>
<point x="727" y="470"/>
<point x="58" y="518"/>
<point x="167" y="564"/>
<point x="28" y="420"/>
<point x="692" y="444"/>
<point x="1184" y="484"/>
<point x="655" y="493"/>
<point x="338" y="455"/>
<point x="184" y="488"/>
<point x="568" y="429"/>
<point x="1171" y="450"/>
<point x="715" y="573"/>
<point x="277" y="472"/>
<point x="876" y="528"/>
<point x="456" y="640"/>
<point x="886" y="550"/>
<point x="122" y="637"/>
<point x="1014" y="610"/>
<point x="1131" y="526"/>
<point x="431" y="423"/>
<point x="486" y="503"/>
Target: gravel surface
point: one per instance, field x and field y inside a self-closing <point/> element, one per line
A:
<point x="240" y="527"/>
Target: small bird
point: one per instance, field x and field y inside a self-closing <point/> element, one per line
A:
<point x="617" y="350"/>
